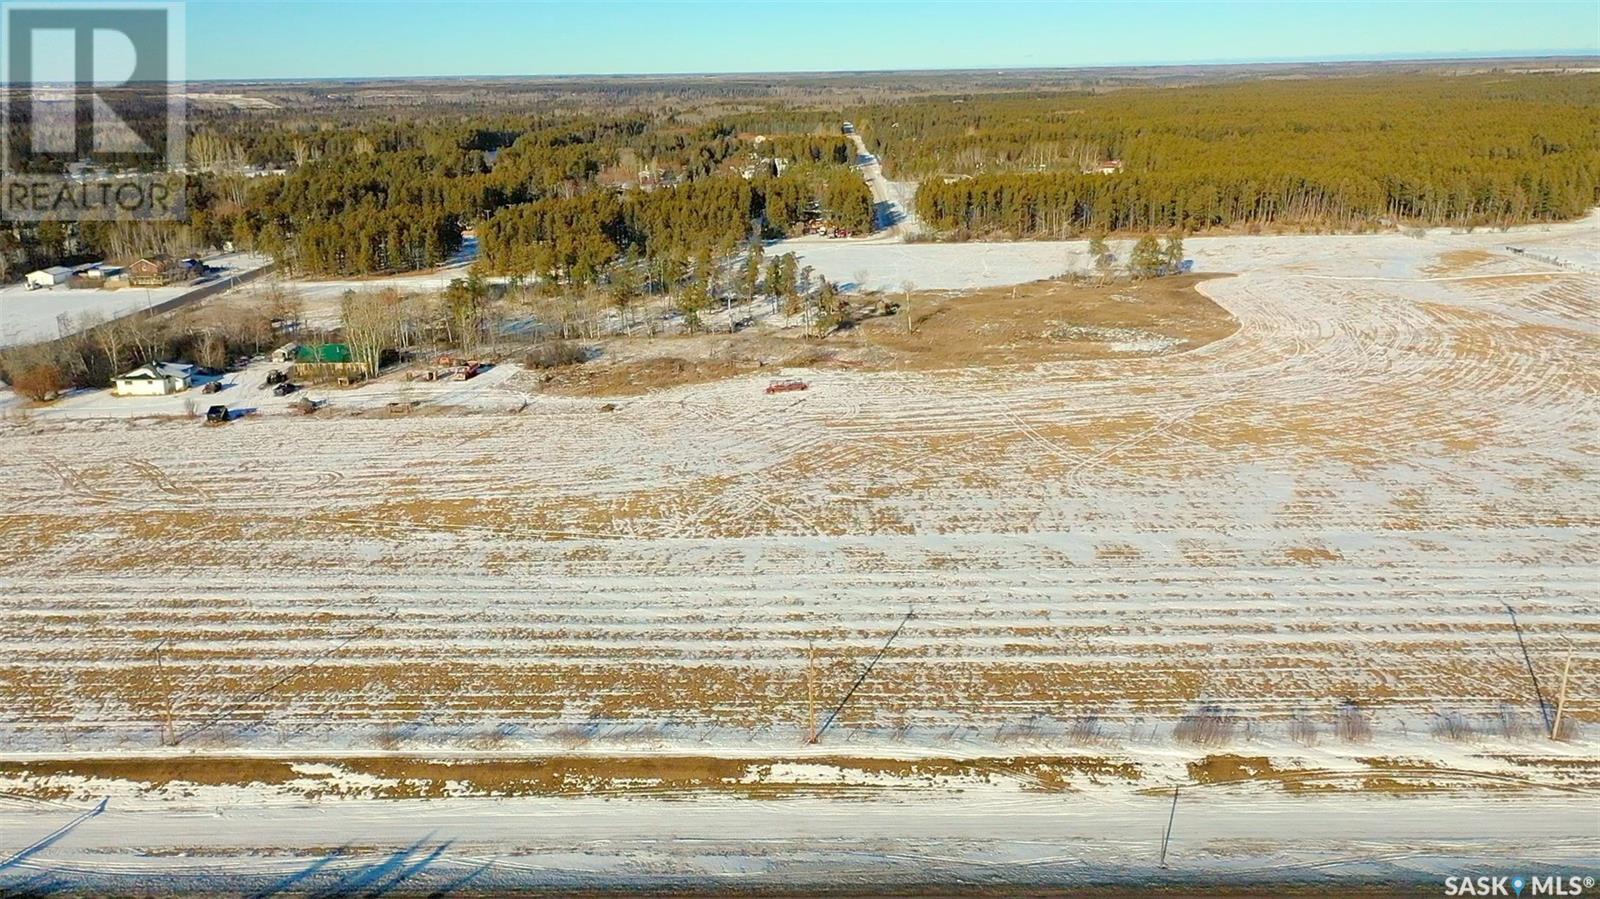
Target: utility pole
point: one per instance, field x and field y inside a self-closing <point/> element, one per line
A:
<point x="1538" y="692"/>
<point x="1167" y="837"/>
<point x="811" y="694"/>
<point x="1561" y="700"/>
<point x="168" y="732"/>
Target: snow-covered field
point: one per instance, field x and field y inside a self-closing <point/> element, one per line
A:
<point x="935" y="266"/>
<point x="1158" y="563"/>
<point x="33" y="315"/>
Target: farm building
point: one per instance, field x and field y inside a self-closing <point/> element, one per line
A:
<point x="328" y="363"/>
<point x="323" y="353"/>
<point x="49" y="277"/>
<point x="289" y="352"/>
<point x="159" y="271"/>
<point x="97" y="274"/>
<point x="154" y="379"/>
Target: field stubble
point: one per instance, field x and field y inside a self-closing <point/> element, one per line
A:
<point x="1331" y="506"/>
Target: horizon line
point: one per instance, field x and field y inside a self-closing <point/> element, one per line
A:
<point x="1494" y="56"/>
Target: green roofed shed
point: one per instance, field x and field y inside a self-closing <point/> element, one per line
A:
<point x="325" y="352"/>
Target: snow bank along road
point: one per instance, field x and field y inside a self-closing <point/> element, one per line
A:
<point x="1156" y="562"/>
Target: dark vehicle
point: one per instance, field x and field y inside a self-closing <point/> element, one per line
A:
<point x="284" y="389"/>
<point x="217" y="415"/>
<point x="212" y="387"/>
<point x="277" y="377"/>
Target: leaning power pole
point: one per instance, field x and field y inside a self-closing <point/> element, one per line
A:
<point x="811" y="693"/>
<point x="1167" y="836"/>
<point x="1538" y="692"/>
<point x="169" y="734"/>
<point x="1561" y="699"/>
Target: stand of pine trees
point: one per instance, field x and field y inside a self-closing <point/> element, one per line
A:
<point x="573" y="240"/>
<point x="1330" y="153"/>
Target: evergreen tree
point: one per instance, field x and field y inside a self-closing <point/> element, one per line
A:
<point x="1172" y="253"/>
<point x="1147" y="258"/>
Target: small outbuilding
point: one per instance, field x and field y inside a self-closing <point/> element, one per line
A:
<point x="154" y="379"/>
<point x="49" y="277"/>
<point x="329" y="363"/>
<point x="289" y="352"/>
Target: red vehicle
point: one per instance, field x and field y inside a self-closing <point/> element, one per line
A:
<point x="468" y="371"/>
<point x="788" y="386"/>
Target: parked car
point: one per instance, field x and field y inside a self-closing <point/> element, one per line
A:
<point x="212" y="387"/>
<point x="277" y="376"/>
<point x="217" y="415"/>
<point x="468" y="371"/>
<point x="284" y="389"/>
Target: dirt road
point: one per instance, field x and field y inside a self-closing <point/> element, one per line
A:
<point x="896" y="216"/>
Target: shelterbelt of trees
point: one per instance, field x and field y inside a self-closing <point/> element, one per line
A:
<point x="1341" y="153"/>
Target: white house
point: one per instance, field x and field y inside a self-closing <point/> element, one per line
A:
<point x="49" y="277"/>
<point x="154" y="379"/>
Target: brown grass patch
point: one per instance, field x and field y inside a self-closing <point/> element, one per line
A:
<point x="1044" y="321"/>
<point x="668" y="776"/>
<point x="1456" y="262"/>
<point x="1312" y="555"/>
<point x="1047" y="321"/>
<point x="1391" y="776"/>
<point x="1224" y="769"/>
<point x="641" y="376"/>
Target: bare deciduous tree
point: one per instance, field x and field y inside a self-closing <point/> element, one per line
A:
<point x="371" y="325"/>
<point x="907" y="287"/>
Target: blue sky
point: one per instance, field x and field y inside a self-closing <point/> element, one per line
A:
<point x="369" y="38"/>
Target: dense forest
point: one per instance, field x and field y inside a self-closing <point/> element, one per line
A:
<point x="560" y="201"/>
<point x="340" y="187"/>
<point x="352" y="197"/>
<point x="1346" y="153"/>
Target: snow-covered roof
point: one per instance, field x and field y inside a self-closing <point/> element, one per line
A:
<point x="53" y="270"/>
<point x="152" y="370"/>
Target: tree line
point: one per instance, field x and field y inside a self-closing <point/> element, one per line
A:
<point x="1336" y="153"/>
